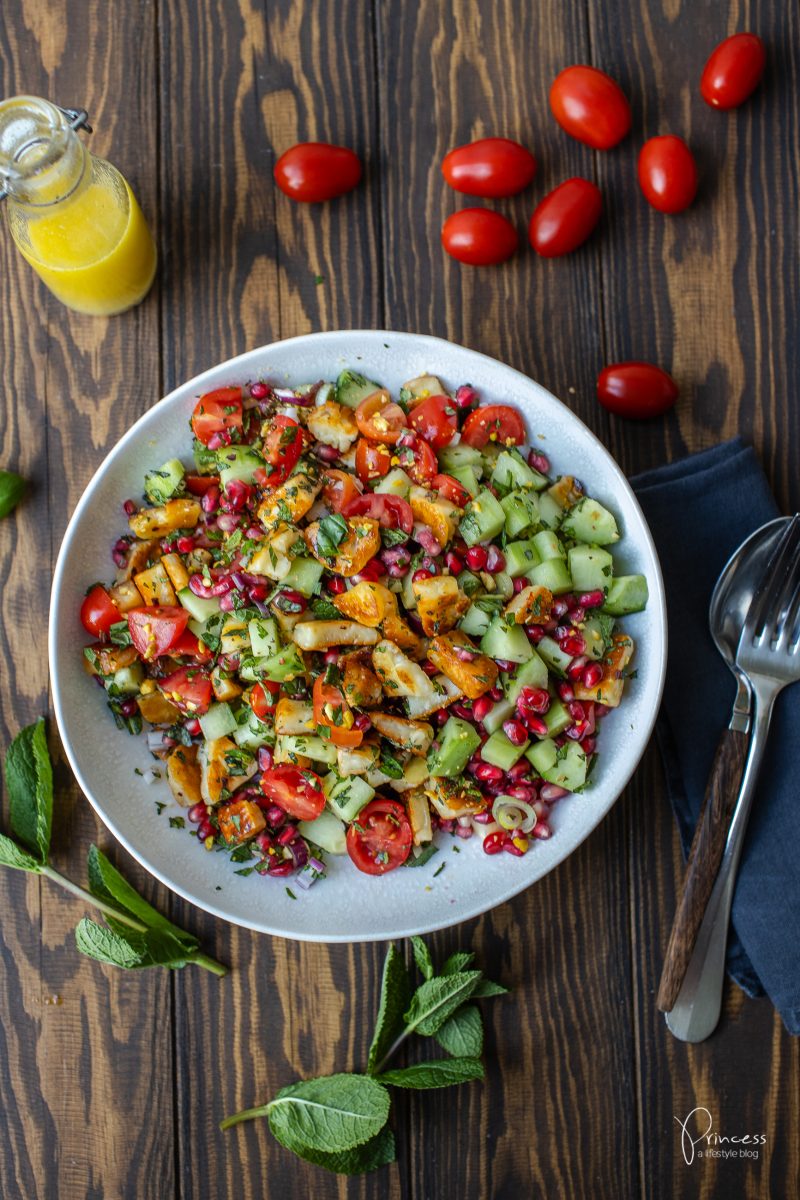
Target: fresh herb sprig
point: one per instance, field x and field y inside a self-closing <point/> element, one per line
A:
<point x="340" y="1121"/>
<point x="136" y="934"/>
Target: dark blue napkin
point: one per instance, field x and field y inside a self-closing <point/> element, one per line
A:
<point x="699" y="510"/>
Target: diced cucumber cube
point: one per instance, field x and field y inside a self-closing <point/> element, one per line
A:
<point x="218" y="722"/>
<point x="502" y="710"/>
<point x="286" y="664"/>
<point x="505" y="639"/>
<point x="553" y="575"/>
<point x="237" y="463"/>
<point x="396" y="483"/>
<point x="569" y="770"/>
<point x="550" y="512"/>
<point x="521" y="557"/>
<point x="589" y="521"/>
<point x="458" y="741"/>
<point x="522" y="512"/>
<point x="327" y="832"/>
<point x="161" y="485"/>
<point x="467" y="582"/>
<point x="409" y="599"/>
<point x="597" y="630"/>
<point x="543" y="756"/>
<point x="557" y="718"/>
<point x="501" y="752"/>
<point x="511" y="471"/>
<point x="200" y="608"/>
<point x="627" y="594"/>
<point x="304" y="576"/>
<point x="532" y="673"/>
<point x="475" y="621"/>
<point x="305" y="745"/>
<point x="503" y="585"/>
<point x="264" y="636"/>
<point x="548" y="545"/>
<point x="468" y="478"/>
<point x="552" y="654"/>
<point x="352" y="388"/>
<point x="251" y="733"/>
<point x="483" y="519"/>
<point x="453" y="457"/>
<point x="591" y="568"/>
<point x="205" y="460"/>
<point x="128" y="679"/>
<point x="347" y="797"/>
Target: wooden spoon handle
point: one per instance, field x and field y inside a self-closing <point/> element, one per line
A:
<point x="705" y="856"/>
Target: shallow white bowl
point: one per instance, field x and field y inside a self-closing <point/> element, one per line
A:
<point x="348" y="906"/>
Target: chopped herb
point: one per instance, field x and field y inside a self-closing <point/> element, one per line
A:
<point x="120" y="634"/>
<point x="393" y="537"/>
<point x="331" y="533"/>
<point x="290" y="894"/>
<point x="439" y="870"/>
<point x="160" y="806"/>
<point x="325" y="610"/>
<point x="179" y="733"/>
<point x="177" y="823"/>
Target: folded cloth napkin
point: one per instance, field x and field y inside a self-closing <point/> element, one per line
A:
<point x="699" y="511"/>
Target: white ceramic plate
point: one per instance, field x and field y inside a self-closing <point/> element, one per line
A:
<point x="347" y="906"/>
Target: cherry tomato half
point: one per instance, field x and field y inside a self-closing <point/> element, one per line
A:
<point x="636" y="389"/>
<point x="189" y="646"/>
<point x="189" y="688"/>
<point x="198" y="485"/>
<point x="156" y="629"/>
<point x="283" y="445"/>
<point x="338" y="488"/>
<point x="332" y="710"/>
<point x="380" y="837"/>
<point x="380" y="419"/>
<point x="733" y="70"/>
<point x="316" y="171"/>
<point x="262" y="699"/>
<point x="490" y="167"/>
<point x="479" y="237"/>
<point x="417" y="459"/>
<point x="667" y="173"/>
<point x="372" y="461"/>
<point x="493" y="423"/>
<point x="216" y="412"/>
<point x="565" y="218"/>
<point x="392" y="512"/>
<point x="298" y="792"/>
<point x="434" y="419"/>
<point x="590" y="106"/>
<point x="451" y="489"/>
<point x="99" y="612"/>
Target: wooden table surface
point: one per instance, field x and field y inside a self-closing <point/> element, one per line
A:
<point x="113" y="1083"/>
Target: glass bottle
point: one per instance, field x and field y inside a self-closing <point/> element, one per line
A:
<point x="73" y="217"/>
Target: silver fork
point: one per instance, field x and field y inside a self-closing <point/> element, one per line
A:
<point x="769" y="655"/>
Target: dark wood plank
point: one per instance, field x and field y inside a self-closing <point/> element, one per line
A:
<point x="79" y="1111"/>
<point x="239" y="85"/>
<point x="450" y="73"/>
<point x="711" y="295"/>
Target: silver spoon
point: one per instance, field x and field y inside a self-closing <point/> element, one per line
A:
<point x="730" y="602"/>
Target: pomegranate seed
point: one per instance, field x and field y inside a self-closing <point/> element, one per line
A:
<point x="336" y="585"/>
<point x="397" y="560"/>
<point x="326" y="453"/>
<point x="287" y="835"/>
<point x="237" y="494"/>
<point x="421" y="574"/>
<point x="539" y="462"/>
<point x="280" y="870"/>
<point x="560" y="607"/>
<point x="461" y="710"/>
<point x="184" y="545"/>
<point x="205" y="830"/>
<point x="460" y="546"/>
<point x="454" y="564"/>
<point x="259" y="391"/>
<point x="482" y="818"/>
<point x="264" y="842"/>
<point x="197" y="813"/>
<point x="430" y="668"/>
<point x="565" y="692"/>
<point x="361" y="721"/>
<point x="591" y="675"/>
<point x="275" y="815"/>
<point x="510" y="848"/>
<point x="591" y="599"/>
<point x="428" y="564"/>
<point x="226" y="603"/>
<point x="496" y="693"/>
<point x="481" y="707"/>
<point x="577" y="616"/>
<point x="515" y="732"/>
<point x="371" y="572"/>
<point x="535" y="699"/>
<point x="128" y="707"/>
<point x="442" y="716"/>
<point x="576" y="710"/>
<point x="487" y="773"/>
<point x="257" y="591"/>
<point x="193" y="727"/>
<point x="447" y="826"/>
<point x="551" y="792"/>
<point x="429" y="543"/>
<point x="290" y="601"/>
<point x="574" y="645"/>
<point x="534" y="723"/>
<point x="526" y="794"/>
<point x="465" y="396"/>
<point x="129" y="508"/>
<point x="575" y="668"/>
<point x="535" y="633"/>
<point x="265" y="758"/>
<point x="519" y="583"/>
<point x="493" y="842"/>
<point x="464" y="831"/>
<point x="331" y="657"/>
<point x="601" y="710"/>
<point x="476" y="558"/>
<point x="576" y="733"/>
<point x="495" y="560"/>
<point x="520" y="770"/>
<point x="505" y="664"/>
<point x="589" y="745"/>
<point x="254" y="533"/>
<point x="541" y="830"/>
<point x="210" y="501"/>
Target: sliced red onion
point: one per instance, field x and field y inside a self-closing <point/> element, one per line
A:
<point x="317" y="865"/>
<point x="465" y="654"/>
<point x="299" y="851"/>
<point x="428" y="542"/>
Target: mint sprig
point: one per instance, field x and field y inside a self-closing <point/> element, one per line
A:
<point x="339" y="1122"/>
<point x="137" y="935"/>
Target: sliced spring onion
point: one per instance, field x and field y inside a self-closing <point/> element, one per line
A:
<point x="513" y="814"/>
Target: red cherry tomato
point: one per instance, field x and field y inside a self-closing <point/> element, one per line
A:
<point x="636" y="389"/>
<point x="216" y="412"/>
<point x="451" y="489"/>
<point x="590" y="106"/>
<point x="99" y="612"/>
<point x="316" y="171"/>
<point x="262" y="699"/>
<point x="189" y="688"/>
<point x="332" y="710"/>
<point x="490" y="167"/>
<point x="283" y="445"/>
<point x="667" y="173"/>
<point x="479" y="237"/>
<point x="298" y="792"/>
<point x="189" y="646"/>
<point x="380" y="419"/>
<point x="380" y="837"/>
<point x="733" y="70"/>
<point x="372" y="461"/>
<point x="565" y="218"/>
<point x="338" y="488"/>
<point x="198" y="485"/>
<point x="156" y="629"/>
<point x="417" y="459"/>
<point x="392" y="512"/>
<point x="493" y="423"/>
<point x="434" y="419"/>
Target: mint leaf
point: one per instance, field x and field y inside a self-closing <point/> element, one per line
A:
<point x="377" y="1152"/>
<point x="395" y="998"/>
<point x="440" y="1073"/>
<point x="11" y="488"/>
<point x="331" y="533"/>
<point x="12" y="855"/>
<point x="422" y="957"/>
<point x="29" y="778"/>
<point x="437" y="999"/>
<point x="131" y="950"/>
<point x="329" y="1114"/>
<point x="107" y="884"/>
<point x="457" y="962"/>
<point x="325" y="610"/>
<point x="462" y="1034"/>
<point x="423" y="858"/>
<point x="487" y="987"/>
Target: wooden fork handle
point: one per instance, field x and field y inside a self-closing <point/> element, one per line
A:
<point x="705" y="856"/>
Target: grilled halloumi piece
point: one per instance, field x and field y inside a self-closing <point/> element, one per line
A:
<point x="360" y="684"/>
<point x="333" y="424"/>
<point x="609" y="690"/>
<point x="155" y="522"/>
<point x="440" y="603"/>
<point x="415" y="736"/>
<point x="433" y="510"/>
<point x="425" y="385"/>
<point x="289" y="502"/>
<point x="367" y="603"/>
<point x="272" y="557"/>
<point x="443" y="692"/>
<point x="357" y="760"/>
<point x="321" y="635"/>
<point x="183" y="776"/>
<point x="294" y="717"/>
<point x="454" y="797"/>
<point x="419" y="816"/>
<point x="399" y="676"/>
<point x="353" y="553"/>
<point x="531" y="606"/>
<point x="454" y="655"/>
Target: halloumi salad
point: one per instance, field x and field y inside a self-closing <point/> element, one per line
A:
<point x="350" y="622"/>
